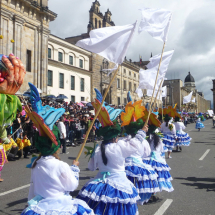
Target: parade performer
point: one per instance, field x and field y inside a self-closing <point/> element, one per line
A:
<point x="183" y="138"/>
<point x="199" y="125"/>
<point x="110" y="192"/>
<point x="157" y="161"/>
<point x="141" y="175"/>
<point x="12" y="74"/>
<point x="52" y="179"/>
<point x="168" y="129"/>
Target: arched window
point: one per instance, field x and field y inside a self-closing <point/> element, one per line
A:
<point x="105" y="64"/>
<point x="100" y="25"/>
<point x="96" y="23"/>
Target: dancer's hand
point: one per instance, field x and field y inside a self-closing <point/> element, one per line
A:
<point x="76" y="163"/>
<point x="12" y="79"/>
<point x="145" y="128"/>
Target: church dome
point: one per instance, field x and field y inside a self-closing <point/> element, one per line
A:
<point x="189" y="78"/>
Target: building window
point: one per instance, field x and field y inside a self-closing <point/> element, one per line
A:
<point x="118" y="83"/>
<point x="49" y="53"/>
<point x="50" y="78"/>
<point x="129" y="73"/>
<point x="125" y="101"/>
<point x="124" y="71"/>
<point x="134" y="75"/>
<point x="28" y="61"/>
<point x="60" y="56"/>
<point x="61" y="80"/>
<point x="130" y="88"/>
<point x="71" y="60"/>
<point x="118" y="101"/>
<point x="82" y="84"/>
<point x="124" y="84"/>
<point x="72" y="82"/>
<point x="82" y="99"/>
<point x="72" y="98"/>
<point x="81" y="63"/>
<point x="95" y="23"/>
<point x="135" y="87"/>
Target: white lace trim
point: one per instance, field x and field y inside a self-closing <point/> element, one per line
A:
<point x="165" y="180"/>
<point x="167" y="189"/>
<point x="36" y="209"/>
<point x="107" y="199"/>
<point x="143" y="178"/>
<point x="115" y="186"/>
<point x="148" y="190"/>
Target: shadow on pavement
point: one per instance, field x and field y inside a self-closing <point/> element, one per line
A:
<point x="11" y="204"/>
<point x="208" y="186"/>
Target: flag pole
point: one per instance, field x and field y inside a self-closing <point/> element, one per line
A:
<point x="96" y="115"/>
<point x="150" y="108"/>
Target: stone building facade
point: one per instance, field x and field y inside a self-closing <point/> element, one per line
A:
<point x="176" y="91"/>
<point x="68" y="70"/>
<point x="27" y="23"/>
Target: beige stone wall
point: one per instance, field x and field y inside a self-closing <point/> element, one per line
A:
<point x="28" y="26"/>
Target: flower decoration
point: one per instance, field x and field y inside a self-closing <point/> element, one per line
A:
<point x="103" y="116"/>
<point x="132" y="113"/>
<point x="12" y="41"/>
<point x="170" y="127"/>
<point x="153" y="120"/>
<point x="90" y="150"/>
<point x="170" y="111"/>
<point x="1" y="37"/>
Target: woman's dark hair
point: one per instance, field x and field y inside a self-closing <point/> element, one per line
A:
<point x="154" y="138"/>
<point x="105" y="142"/>
<point x="167" y="123"/>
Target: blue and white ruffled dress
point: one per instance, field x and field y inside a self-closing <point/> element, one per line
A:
<point x="183" y="139"/>
<point x="110" y="192"/>
<point x="141" y="175"/>
<point x="144" y="178"/>
<point x="59" y="202"/>
<point x="199" y="125"/>
<point x="160" y="166"/>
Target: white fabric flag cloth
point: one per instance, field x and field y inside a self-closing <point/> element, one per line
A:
<point x="164" y="91"/>
<point x="150" y="92"/>
<point x="194" y="100"/>
<point x="148" y="77"/>
<point x="187" y="98"/>
<point x="110" y="42"/>
<point x="156" y="22"/>
<point x="139" y="92"/>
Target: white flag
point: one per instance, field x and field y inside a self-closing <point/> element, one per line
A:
<point x="139" y="92"/>
<point x="164" y="91"/>
<point x="156" y="22"/>
<point x="187" y="98"/>
<point x="150" y="92"/>
<point x="147" y="77"/>
<point x="110" y="42"/>
<point x="194" y="100"/>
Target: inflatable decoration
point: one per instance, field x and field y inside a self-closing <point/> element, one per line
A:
<point x="12" y="75"/>
<point x="49" y="114"/>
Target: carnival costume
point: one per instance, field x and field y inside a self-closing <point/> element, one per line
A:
<point x="199" y="125"/>
<point x="110" y="192"/>
<point x="52" y="179"/>
<point x="183" y="138"/>
<point x="158" y="162"/>
<point x="12" y="75"/>
<point x="141" y="175"/>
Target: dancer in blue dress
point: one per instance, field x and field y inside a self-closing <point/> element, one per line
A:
<point x="169" y="132"/>
<point x="141" y="175"/>
<point x="183" y="138"/>
<point x="110" y="192"/>
<point x="157" y="161"/>
<point x="199" y="125"/>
